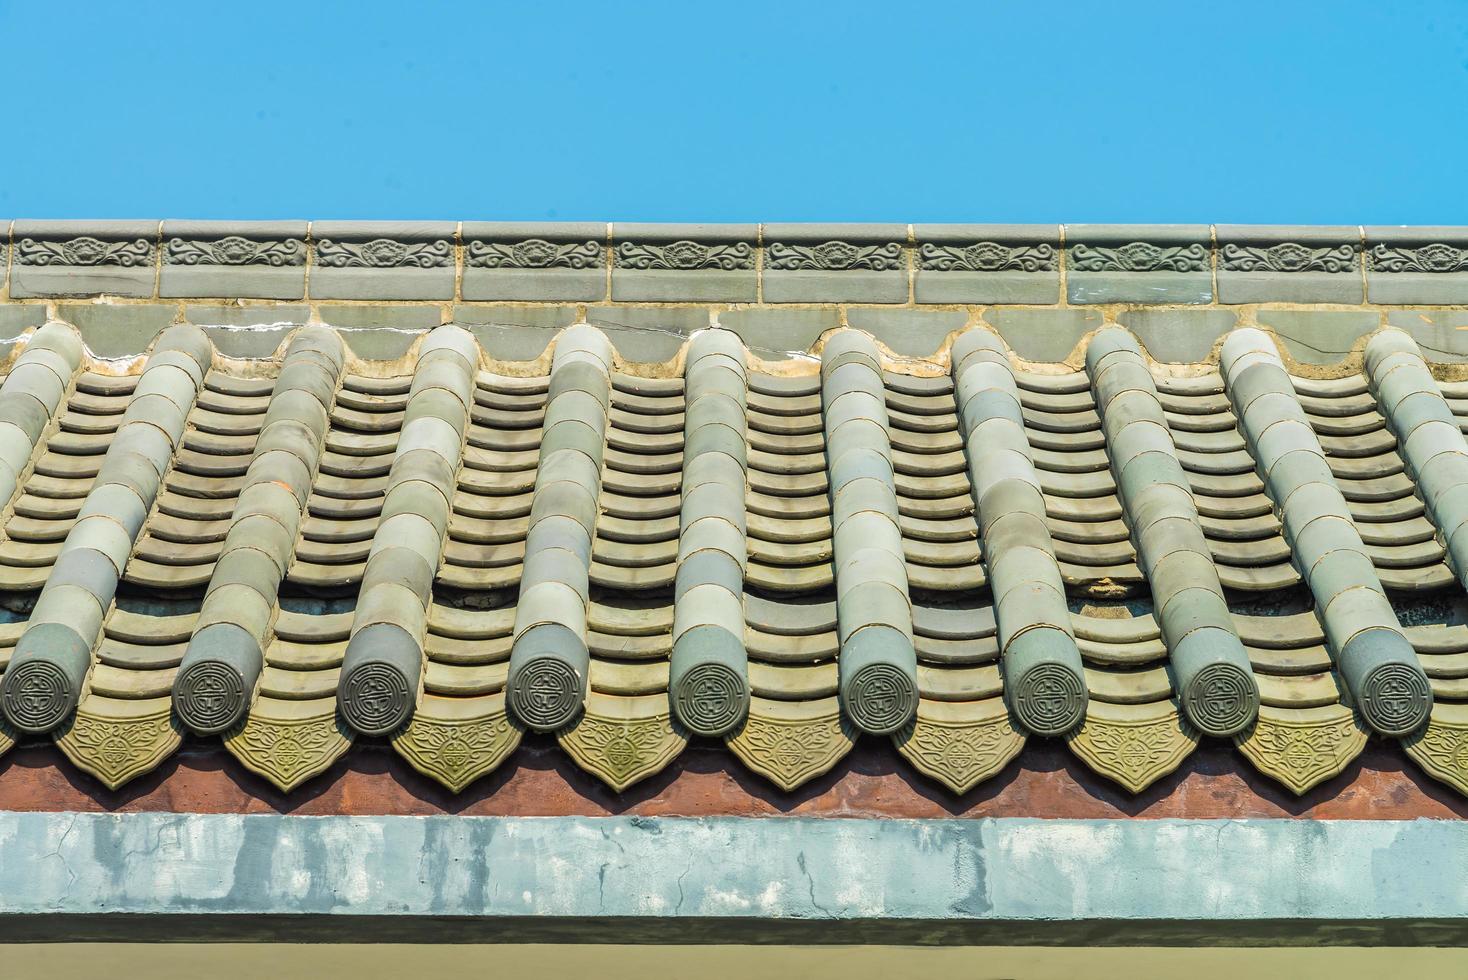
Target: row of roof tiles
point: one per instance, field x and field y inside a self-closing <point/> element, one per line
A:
<point x="773" y="263"/>
<point x="959" y="553"/>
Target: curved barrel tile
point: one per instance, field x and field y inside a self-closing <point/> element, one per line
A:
<point x="549" y="662"/>
<point x="877" y="663"/>
<point x="1043" y="679"/>
<point x="1375" y="659"/>
<point x="382" y="669"/>
<point x="222" y="665"/>
<point x="709" y="680"/>
<point x="1217" y="687"/>
<point x="54" y="655"/>
<point x="32" y="396"/>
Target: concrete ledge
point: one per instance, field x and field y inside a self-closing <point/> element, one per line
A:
<point x="218" y="877"/>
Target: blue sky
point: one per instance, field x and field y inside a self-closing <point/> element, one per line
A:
<point x="1298" y="112"/>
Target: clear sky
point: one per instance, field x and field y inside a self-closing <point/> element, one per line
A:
<point x="1290" y="111"/>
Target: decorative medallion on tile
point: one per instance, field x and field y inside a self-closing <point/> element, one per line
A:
<point x="1138" y="263"/>
<point x="1441" y="747"/>
<point x="83" y="258"/>
<point x="289" y="750"/>
<point x="793" y="742"/>
<point x="382" y="260"/>
<point x="121" y="745"/>
<point x="623" y="740"/>
<point x="458" y="750"/>
<point x="552" y="261"/>
<point x="959" y="744"/>
<point x="835" y="263"/>
<point x="1258" y="264"/>
<point x="987" y="264"/>
<point x="1302" y="748"/>
<point x="1134" y="745"/>
<point x="1415" y="266"/>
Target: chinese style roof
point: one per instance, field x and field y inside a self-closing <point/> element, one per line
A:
<point x="781" y="486"/>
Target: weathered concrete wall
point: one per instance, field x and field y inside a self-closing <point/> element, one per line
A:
<point x="732" y="879"/>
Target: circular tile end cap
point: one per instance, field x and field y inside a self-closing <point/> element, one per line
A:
<point x="43" y="682"/>
<point x="218" y="673"/>
<point x="1046" y="693"/>
<point x="379" y="680"/>
<point x="547" y="684"/>
<point x="878" y="679"/>
<point x="709" y="684"/>
<point x="1221" y="698"/>
<point x="1394" y="695"/>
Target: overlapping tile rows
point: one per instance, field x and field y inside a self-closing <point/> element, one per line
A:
<point x="959" y="552"/>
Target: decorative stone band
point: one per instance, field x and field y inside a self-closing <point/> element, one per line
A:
<point x="382" y="668"/>
<point x="31" y="397"/>
<point x="54" y="654"/>
<point x="1431" y="441"/>
<point x="1372" y="654"/>
<point x="1044" y="682"/>
<point x="549" y="661"/>
<point x="877" y="664"/>
<point x="709" y="679"/>
<point x="225" y="655"/>
<point x="1214" y="679"/>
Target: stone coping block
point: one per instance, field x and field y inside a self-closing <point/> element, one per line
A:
<point x="1004" y="881"/>
<point x="697" y="263"/>
<point x="1139" y="263"/>
<point x="383" y="259"/>
<point x="1294" y="264"/>
<point x="1417" y="266"/>
<point x="835" y="263"/>
<point x="561" y="261"/>
<point x="999" y="264"/>
<point x="247" y="259"/>
<point x="83" y="258"/>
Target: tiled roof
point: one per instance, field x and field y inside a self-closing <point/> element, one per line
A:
<point x="784" y="528"/>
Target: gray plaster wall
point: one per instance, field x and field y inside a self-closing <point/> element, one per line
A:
<point x="152" y="875"/>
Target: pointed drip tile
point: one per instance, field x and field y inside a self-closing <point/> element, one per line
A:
<point x="290" y="742"/>
<point x="961" y="744"/>
<point x="458" y="740"/>
<point x="1134" y="745"/>
<point x="623" y="740"/>
<point x="117" y="741"/>
<point x="793" y="742"/>
<point x="1303" y="748"/>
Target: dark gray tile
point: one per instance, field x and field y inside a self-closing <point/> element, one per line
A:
<point x="835" y="263"/>
<point x="515" y="333"/>
<point x="382" y="260"/>
<point x="406" y="316"/>
<point x="916" y="333"/>
<point x="247" y="331"/>
<point x="248" y="259"/>
<point x="1320" y="336"/>
<point x="1043" y="335"/>
<point x="115" y="330"/>
<point x="1178" y="336"/>
<point x="648" y="333"/>
<point x="1442" y="334"/>
<point x="774" y="335"/>
<point x="1138" y="264"/>
<point x="17" y="318"/>
<point x="535" y="262"/>
<point x="1417" y="266"/>
<point x="212" y="315"/>
<point x="1289" y="264"/>
<point x="83" y="258"/>
<point x="998" y="264"/>
<point x="684" y="263"/>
